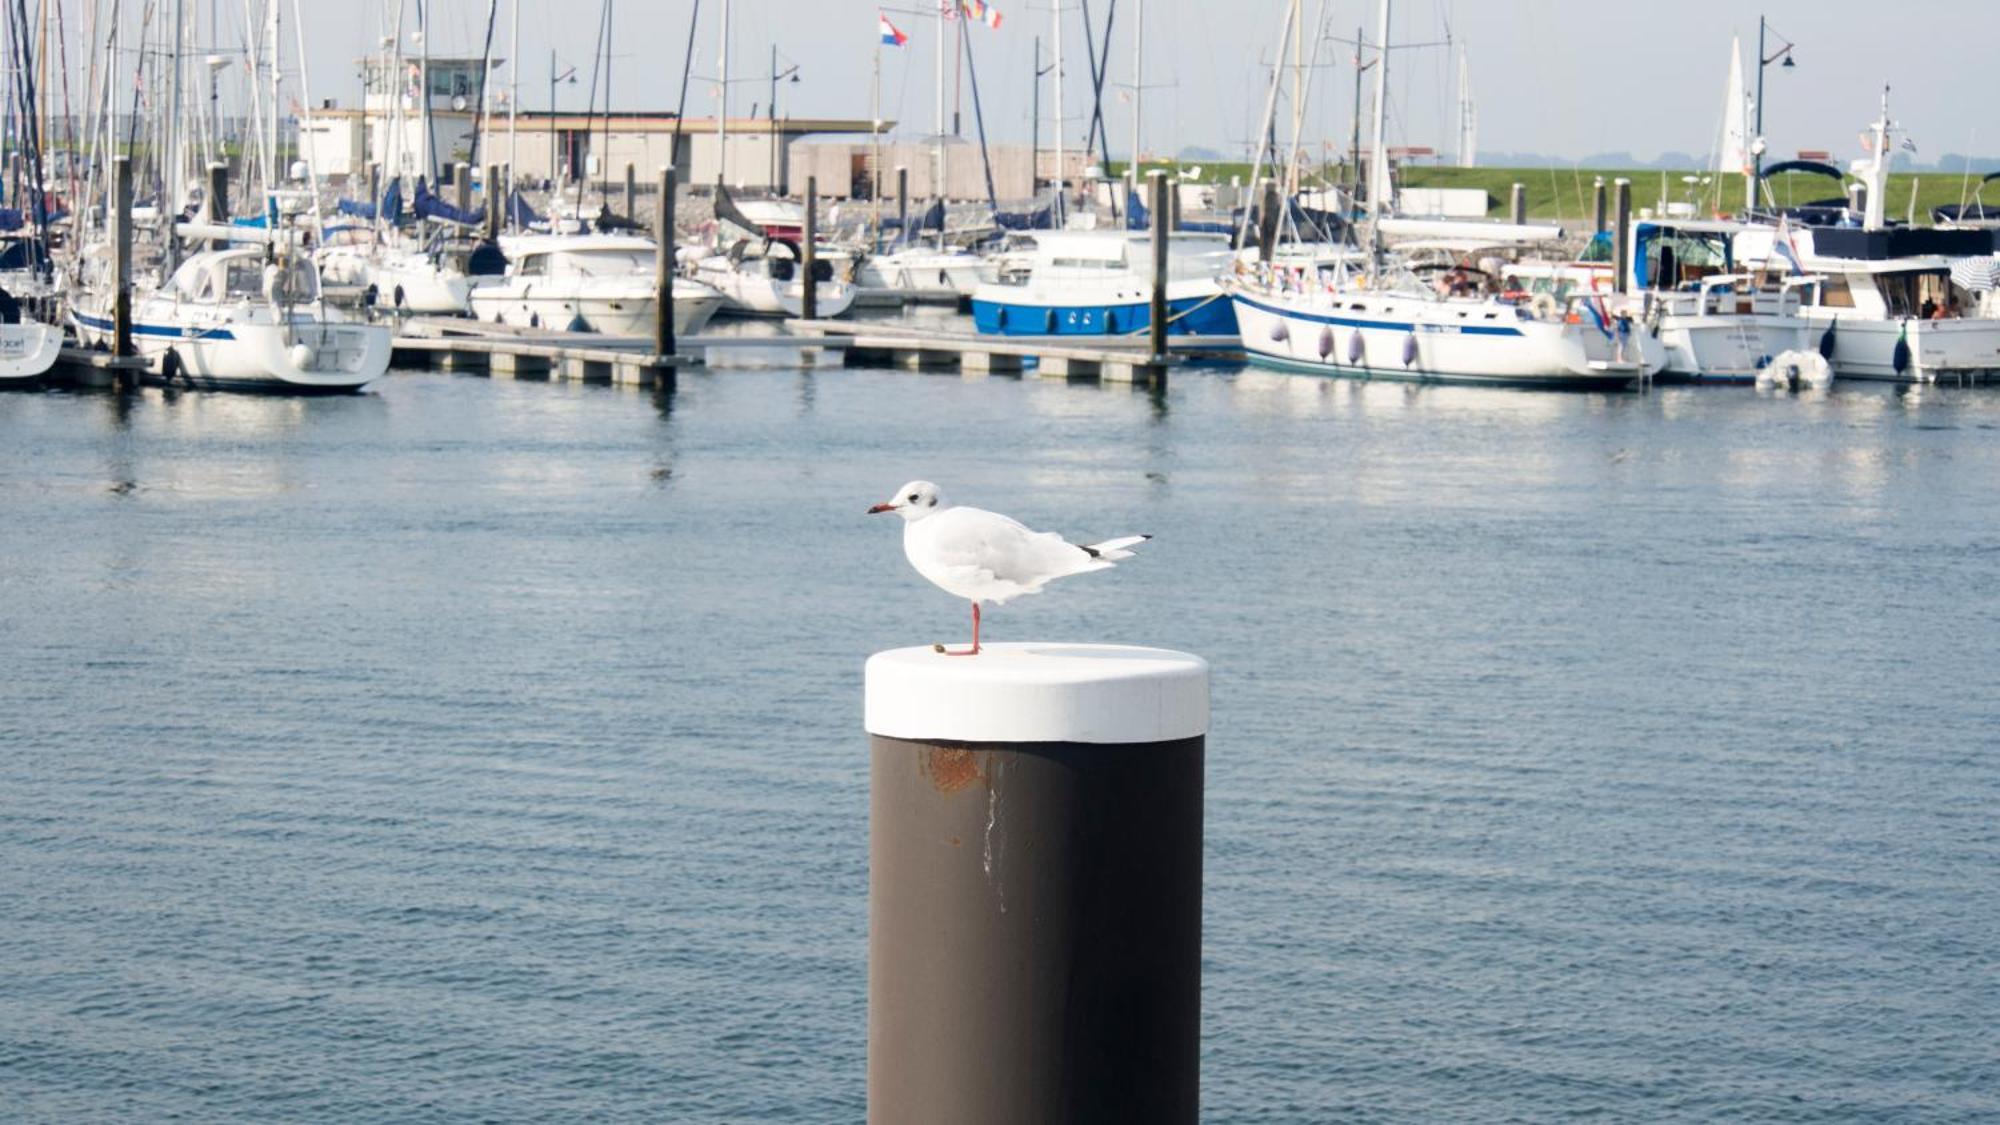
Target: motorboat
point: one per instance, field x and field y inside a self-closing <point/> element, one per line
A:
<point x="1100" y="283"/>
<point x="765" y="280"/>
<point x="587" y="283"/>
<point x="242" y="319"/>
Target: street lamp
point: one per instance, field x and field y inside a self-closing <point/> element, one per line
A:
<point x="554" y="78"/>
<point x="791" y="72"/>
<point x="1764" y="60"/>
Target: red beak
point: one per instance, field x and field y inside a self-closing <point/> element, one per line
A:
<point x="881" y="508"/>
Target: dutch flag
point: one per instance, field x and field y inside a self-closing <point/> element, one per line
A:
<point x="1782" y="247"/>
<point x="890" y="36"/>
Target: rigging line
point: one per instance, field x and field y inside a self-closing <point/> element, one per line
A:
<point x="485" y="77"/>
<point x="590" y="110"/>
<point x="979" y="120"/>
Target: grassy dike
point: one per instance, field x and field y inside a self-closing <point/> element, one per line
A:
<point x="1565" y="193"/>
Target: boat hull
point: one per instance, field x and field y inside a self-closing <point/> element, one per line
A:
<point x="308" y="357"/>
<point x="1521" y="353"/>
<point x="1964" y="350"/>
<point x="1209" y="315"/>
<point x="611" y="316"/>
<point x="28" y="351"/>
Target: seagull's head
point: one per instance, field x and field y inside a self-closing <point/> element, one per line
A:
<point x="913" y="501"/>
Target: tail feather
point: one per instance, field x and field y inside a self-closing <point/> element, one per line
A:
<point x="1111" y="550"/>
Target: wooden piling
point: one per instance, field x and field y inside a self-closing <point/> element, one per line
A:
<point x="1621" y="236"/>
<point x="1597" y="207"/>
<point x="1034" y="884"/>
<point x="461" y="186"/>
<point x="809" y="252"/>
<point x="1267" y="218"/>
<point x="663" y="268"/>
<point x="1174" y="206"/>
<point x="121" y="259"/>
<point x="218" y="201"/>
<point x="1517" y="205"/>
<point x="631" y="190"/>
<point x="1155" y="182"/>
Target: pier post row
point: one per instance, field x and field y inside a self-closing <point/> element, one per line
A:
<point x="1517" y="205"/>
<point x="1621" y="236"/>
<point x="809" y="253"/>
<point x="218" y="201"/>
<point x="663" y="269"/>
<point x="1035" y="839"/>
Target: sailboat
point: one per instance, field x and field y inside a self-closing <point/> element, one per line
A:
<point x="1390" y="323"/>
<point x="249" y="316"/>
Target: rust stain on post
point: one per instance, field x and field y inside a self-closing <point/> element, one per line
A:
<point x="951" y="769"/>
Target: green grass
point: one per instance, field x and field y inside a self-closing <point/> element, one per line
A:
<point x="1566" y="193"/>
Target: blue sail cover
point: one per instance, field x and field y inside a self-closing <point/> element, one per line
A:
<point x="1137" y="217"/>
<point x="428" y="206"/>
<point x="1044" y="219"/>
<point x="519" y="214"/>
<point x="391" y="205"/>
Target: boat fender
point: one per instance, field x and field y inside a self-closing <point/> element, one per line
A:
<point x="370" y="295"/>
<point x="1826" y="341"/>
<point x="1900" y="358"/>
<point x="534" y="320"/>
<point x="1280" y="332"/>
<point x="578" y="324"/>
<point x="1325" y="341"/>
<point x="1543" y="305"/>
<point x="170" y="367"/>
<point x="302" y="356"/>
<point x="1356" y="348"/>
<point x="1409" y="349"/>
<point x="398" y="296"/>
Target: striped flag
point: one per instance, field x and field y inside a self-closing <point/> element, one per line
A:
<point x="890" y="36"/>
<point x="982" y="11"/>
<point x="1782" y="246"/>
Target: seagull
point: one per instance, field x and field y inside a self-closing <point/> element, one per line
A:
<point x="986" y="557"/>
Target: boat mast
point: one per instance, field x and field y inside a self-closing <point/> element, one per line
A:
<point x="722" y="103"/>
<point x="1468" y="117"/>
<point x="1138" y="84"/>
<point x="875" y="146"/>
<point x="1877" y="178"/>
<point x="1378" y="158"/>
<point x="945" y="27"/>
<point x="514" y="93"/>
<point x="1055" y="33"/>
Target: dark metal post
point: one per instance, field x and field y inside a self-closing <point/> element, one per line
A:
<point x="1756" y="150"/>
<point x="1156" y="183"/>
<point x="218" y="201"/>
<point x="1267" y="218"/>
<point x="902" y="202"/>
<point x="631" y="190"/>
<point x="121" y="251"/>
<point x="663" y="268"/>
<point x="1034" y="914"/>
<point x="1174" y="206"/>
<point x="1597" y="207"/>
<point x="494" y="201"/>
<point x="1517" y="204"/>
<point x="809" y="252"/>
<point x="461" y="186"/>
<point x="1621" y="236"/>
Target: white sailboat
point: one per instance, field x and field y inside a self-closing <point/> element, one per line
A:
<point x="1391" y="324"/>
<point x="589" y="283"/>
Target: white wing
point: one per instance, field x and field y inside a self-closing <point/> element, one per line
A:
<point x="986" y="556"/>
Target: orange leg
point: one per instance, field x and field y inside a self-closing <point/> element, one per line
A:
<point x="974" y="650"/>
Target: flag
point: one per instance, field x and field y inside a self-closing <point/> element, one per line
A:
<point x="1910" y="145"/>
<point x="1783" y="248"/>
<point x="982" y="11"/>
<point x="890" y="36"/>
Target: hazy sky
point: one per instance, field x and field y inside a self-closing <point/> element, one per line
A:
<point x="1563" y="77"/>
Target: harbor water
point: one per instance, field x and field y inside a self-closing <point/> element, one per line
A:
<point x="485" y="750"/>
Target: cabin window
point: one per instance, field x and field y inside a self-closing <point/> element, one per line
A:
<point x="1833" y="293"/>
<point x="533" y="265"/>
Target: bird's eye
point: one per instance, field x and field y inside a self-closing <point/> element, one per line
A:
<point x="913" y="497"/>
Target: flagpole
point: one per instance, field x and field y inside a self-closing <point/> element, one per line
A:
<point x="875" y="136"/>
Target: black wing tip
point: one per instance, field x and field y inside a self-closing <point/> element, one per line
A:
<point x="1091" y="551"/>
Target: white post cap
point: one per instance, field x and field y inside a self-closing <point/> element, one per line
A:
<point x="1113" y="694"/>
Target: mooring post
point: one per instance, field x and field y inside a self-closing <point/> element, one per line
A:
<point x="1156" y="182"/>
<point x="1267" y="218"/>
<point x="461" y="186"/>
<point x="631" y="190"/>
<point x="375" y="184"/>
<point x="1517" y="204"/>
<point x="808" y="252"/>
<point x="218" y="201"/>
<point x="663" y="268"/>
<point x="902" y="202"/>
<point x="1597" y="207"/>
<point x="1034" y="886"/>
<point x="1174" y="206"/>
<point x="1621" y="236"/>
<point x="494" y="202"/>
<point x="121" y="264"/>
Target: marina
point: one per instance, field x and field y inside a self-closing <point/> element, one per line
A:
<point x="1412" y="601"/>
